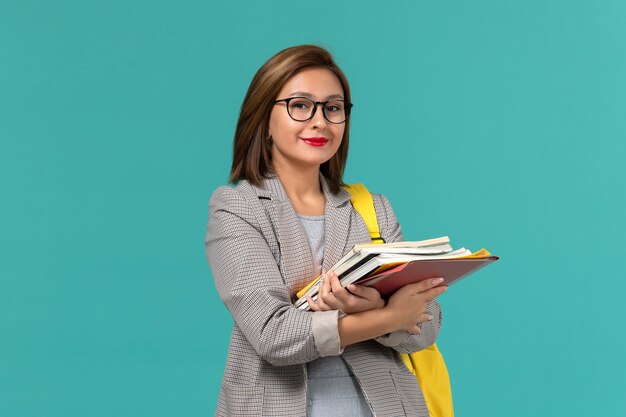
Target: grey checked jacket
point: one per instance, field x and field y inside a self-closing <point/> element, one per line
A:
<point x="260" y="258"/>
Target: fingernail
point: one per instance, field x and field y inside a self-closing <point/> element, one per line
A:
<point x="430" y="317"/>
<point x="437" y="281"/>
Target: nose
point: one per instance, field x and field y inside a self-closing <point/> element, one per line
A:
<point x="318" y="119"/>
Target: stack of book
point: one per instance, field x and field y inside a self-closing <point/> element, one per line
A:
<point x="390" y="266"/>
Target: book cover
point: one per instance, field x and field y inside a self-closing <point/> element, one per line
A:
<point x="451" y="269"/>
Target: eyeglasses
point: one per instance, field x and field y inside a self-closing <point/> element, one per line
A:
<point x="302" y="109"/>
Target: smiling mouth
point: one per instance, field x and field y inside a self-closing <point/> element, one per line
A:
<point x="315" y="141"/>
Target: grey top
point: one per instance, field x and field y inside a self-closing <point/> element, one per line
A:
<point x="314" y="229"/>
<point x="332" y="387"/>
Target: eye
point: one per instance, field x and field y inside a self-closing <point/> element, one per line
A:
<point x="300" y="104"/>
<point x="334" y="106"/>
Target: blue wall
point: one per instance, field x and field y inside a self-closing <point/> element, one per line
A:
<point x="498" y="123"/>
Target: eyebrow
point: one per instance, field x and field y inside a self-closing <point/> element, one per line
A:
<point x="311" y="96"/>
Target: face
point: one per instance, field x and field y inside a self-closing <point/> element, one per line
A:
<point x="309" y="144"/>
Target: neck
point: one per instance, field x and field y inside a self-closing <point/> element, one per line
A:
<point x="303" y="188"/>
<point x="299" y="182"/>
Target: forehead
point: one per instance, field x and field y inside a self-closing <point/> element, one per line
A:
<point x="319" y="83"/>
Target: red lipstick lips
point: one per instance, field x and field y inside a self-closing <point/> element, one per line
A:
<point x="317" y="141"/>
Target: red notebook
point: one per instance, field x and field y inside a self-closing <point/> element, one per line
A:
<point x="451" y="269"/>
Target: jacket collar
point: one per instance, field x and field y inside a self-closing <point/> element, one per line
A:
<point x="273" y="189"/>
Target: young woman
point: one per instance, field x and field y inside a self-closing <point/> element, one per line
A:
<point x="287" y="220"/>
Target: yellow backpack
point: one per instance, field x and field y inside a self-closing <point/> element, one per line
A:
<point x="427" y="364"/>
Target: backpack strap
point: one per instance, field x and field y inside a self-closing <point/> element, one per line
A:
<point x="363" y="203"/>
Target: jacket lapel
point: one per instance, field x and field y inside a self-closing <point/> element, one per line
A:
<point x="341" y="234"/>
<point x="296" y="260"/>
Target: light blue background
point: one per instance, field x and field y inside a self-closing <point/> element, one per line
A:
<point x="498" y="123"/>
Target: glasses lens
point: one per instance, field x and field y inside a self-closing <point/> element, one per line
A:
<point x="301" y="108"/>
<point x="335" y="111"/>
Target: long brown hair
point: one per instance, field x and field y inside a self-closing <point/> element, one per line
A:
<point x="252" y="156"/>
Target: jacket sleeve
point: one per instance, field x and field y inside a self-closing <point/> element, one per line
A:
<point x="401" y="340"/>
<point x="250" y="284"/>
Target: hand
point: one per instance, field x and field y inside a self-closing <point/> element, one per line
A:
<point x="408" y="305"/>
<point x="353" y="299"/>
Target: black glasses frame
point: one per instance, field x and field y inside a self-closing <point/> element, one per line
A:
<point x="347" y="109"/>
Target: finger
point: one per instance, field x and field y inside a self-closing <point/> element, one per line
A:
<point x="323" y="294"/>
<point x="363" y="291"/>
<point x="332" y="302"/>
<point x="323" y="289"/>
<point x="326" y="285"/>
<point x="425" y="318"/>
<point x="414" y="330"/>
<point x="335" y="285"/>
<point x="344" y="298"/>
<point x="321" y="302"/>
<point x="423" y="285"/>
<point x="312" y="304"/>
<point x="433" y="293"/>
<point x="334" y="294"/>
<point x="432" y="283"/>
<point x="325" y="298"/>
<point x="341" y="298"/>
